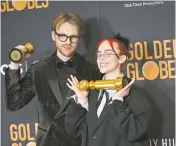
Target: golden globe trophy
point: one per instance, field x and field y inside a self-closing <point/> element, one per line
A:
<point x="118" y="83"/>
<point x="17" y="55"/>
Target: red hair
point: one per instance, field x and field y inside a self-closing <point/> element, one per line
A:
<point x="122" y="48"/>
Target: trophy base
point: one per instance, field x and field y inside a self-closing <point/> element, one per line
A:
<point x="15" y="55"/>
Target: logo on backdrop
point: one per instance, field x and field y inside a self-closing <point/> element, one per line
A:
<point x="16" y="5"/>
<point x="23" y="134"/>
<point x="23" y="67"/>
<point x="143" y="4"/>
<point x="162" y="142"/>
<point x="152" y="61"/>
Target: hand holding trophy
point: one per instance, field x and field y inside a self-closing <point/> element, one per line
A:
<point x="21" y="53"/>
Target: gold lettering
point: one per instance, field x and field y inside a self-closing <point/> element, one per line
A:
<point x="137" y="72"/>
<point x="8" y="7"/>
<point x="45" y="5"/>
<point x="157" y="49"/>
<point x="171" y="69"/>
<point x="31" y="4"/>
<point x="166" y="49"/>
<point x="13" y="132"/>
<point x="174" y="48"/>
<point x="163" y="69"/>
<point x="29" y="132"/>
<point x="146" y="51"/>
<point x="15" y="144"/>
<point x="37" y="5"/>
<point x="140" y="55"/>
<point x="22" y="132"/>
<point x="130" y="70"/>
<point x="36" y="128"/>
<point x="3" y="6"/>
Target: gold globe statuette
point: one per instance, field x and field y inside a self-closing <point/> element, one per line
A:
<point x="17" y="55"/>
<point x="118" y="84"/>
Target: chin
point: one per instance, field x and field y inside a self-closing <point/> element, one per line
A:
<point x="67" y="54"/>
<point x="103" y="71"/>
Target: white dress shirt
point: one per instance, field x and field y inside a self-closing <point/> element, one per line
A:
<point x="103" y="102"/>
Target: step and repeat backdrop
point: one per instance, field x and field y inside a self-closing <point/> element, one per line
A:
<point x="150" y="25"/>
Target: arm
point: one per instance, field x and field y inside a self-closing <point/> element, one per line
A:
<point x="19" y="92"/>
<point x="132" y="119"/>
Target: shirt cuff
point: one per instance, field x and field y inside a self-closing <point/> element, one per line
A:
<point x="84" y="103"/>
<point x="119" y="98"/>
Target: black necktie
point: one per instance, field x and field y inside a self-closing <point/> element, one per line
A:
<point x="107" y="98"/>
<point x="101" y="97"/>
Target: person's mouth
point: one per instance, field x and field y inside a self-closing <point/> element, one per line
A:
<point x="103" y="64"/>
<point x="68" y="48"/>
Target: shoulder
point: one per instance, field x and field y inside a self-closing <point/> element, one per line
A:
<point x="139" y="98"/>
<point x="43" y="62"/>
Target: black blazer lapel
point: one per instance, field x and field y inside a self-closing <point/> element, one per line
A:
<point x="93" y="110"/>
<point x="101" y="119"/>
<point x="49" y="71"/>
<point x="65" y="103"/>
<point x="56" y="90"/>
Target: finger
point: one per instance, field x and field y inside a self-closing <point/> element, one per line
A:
<point x="132" y="81"/>
<point x="71" y="83"/>
<point x="126" y="88"/>
<point x="73" y="80"/>
<point x="129" y="85"/>
<point x="76" y="79"/>
<point x="20" y="47"/>
<point x="69" y="86"/>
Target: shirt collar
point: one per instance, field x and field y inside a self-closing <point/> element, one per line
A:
<point x="118" y="76"/>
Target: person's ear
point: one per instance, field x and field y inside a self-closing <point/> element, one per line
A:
<point x="53" y="36"/>
<point x="122" y="59"/>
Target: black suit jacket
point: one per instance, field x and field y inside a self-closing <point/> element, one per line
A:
<point x="120" y="123"/>
<point x="41" y="80"/>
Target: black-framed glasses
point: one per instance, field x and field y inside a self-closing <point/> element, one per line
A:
<point x="63" y="38"/>
<point x="106" y="54"/>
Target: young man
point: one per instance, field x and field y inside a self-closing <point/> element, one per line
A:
<point x="109" y="117"/>
<point x="47" y="80"/>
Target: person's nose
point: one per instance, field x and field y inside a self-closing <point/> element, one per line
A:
<point x="102" y="56"/>
<point x="68" y="41"/>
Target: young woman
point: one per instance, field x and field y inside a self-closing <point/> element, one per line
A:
<point x="109" y="117"/>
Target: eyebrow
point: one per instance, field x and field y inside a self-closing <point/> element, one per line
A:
<point x="67" y="35"/>
<point x="106" y="50"/>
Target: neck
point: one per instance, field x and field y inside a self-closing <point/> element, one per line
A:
<point x="113" y="74"/>
<point x="62" y="57"/>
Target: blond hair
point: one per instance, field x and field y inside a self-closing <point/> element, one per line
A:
<point x="72" y="18"/>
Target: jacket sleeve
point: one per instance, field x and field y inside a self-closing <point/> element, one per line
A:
<point x="19" y="92"/>
<point x="132" y="119"/>
<point x="75" y="119"/>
